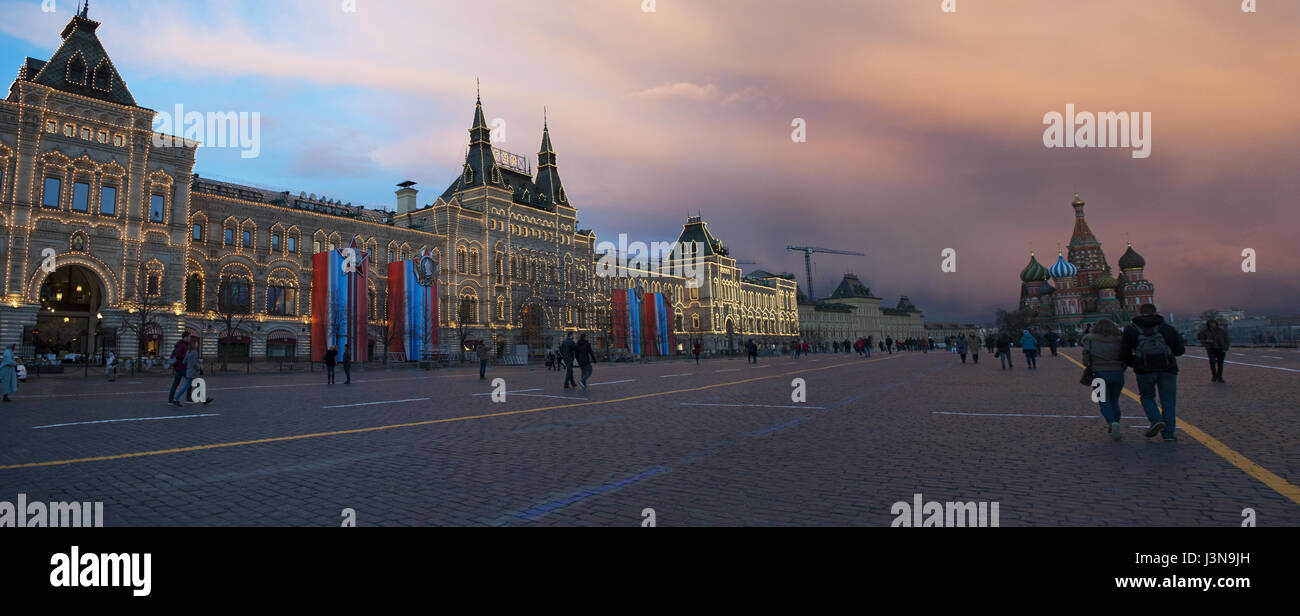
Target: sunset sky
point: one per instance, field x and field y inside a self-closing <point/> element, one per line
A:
<point x="924" y="128"/>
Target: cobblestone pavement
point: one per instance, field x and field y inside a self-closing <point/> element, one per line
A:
<point x="721" y="443"/>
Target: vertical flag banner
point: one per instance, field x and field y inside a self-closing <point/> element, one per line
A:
<point x="339" y="302"/>
<point x="618" y="316"/>
<point x="633" y="322"/>
<point x="413" y="307"/>
<point x="665" y="330"/>
<point x="649" y="321"/>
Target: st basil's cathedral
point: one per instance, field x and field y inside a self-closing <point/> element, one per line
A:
<point x="1085" y="291"/>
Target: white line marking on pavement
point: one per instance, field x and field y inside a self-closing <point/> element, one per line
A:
<point x="1015" y="415"/>
<point x="765" y="366"/>
<point x="82" y="423"/>
<point x="339" y="406"/>
<point x="766" y="406"/>
<point x="550" y="396"/>
<point x="1273" y="357"/>
<point x="1240" y="354"/>
<point x="488" y="393"/>
<point x="1239" y="363"/>
<point x="610" y="382"/>
<point x="729" y="370"/>
<point x="664" y="376"/>
<point x="159" y="391"/>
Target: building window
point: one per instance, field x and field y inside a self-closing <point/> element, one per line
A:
<point x="236" y="295"/>
<point x="248" y="239"/>
<point x="194" y="294"/>
<point x="87" y="134"/>
<point x="69" y="130"/>
<point x="695" y="321"/>
<point x="275" y="242"/>
<point x="50" y="198"/>
<point x="229" y="238"/>
<point x="315" y="246"/>
<point x="197" y="233"/>
<point x="102" y="137"/>
<point x="291" y="243"/>
<point x="501" y="308"/>
<point x="151" y="285"/>
<point x="461" y="257"/>
<point x="156" y="208"/>
<point x="51" y="126"/>
<point x="80" y="197"/>
<point x="468" y="309"/>
<point x="119" y="140"/>
<point x="108" y="201"/>
<point x="281" y="300"/>
<point x="473" y="262"/>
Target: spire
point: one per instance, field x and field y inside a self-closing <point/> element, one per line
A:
<point x="85" y="10"/>
<point x="479" y="131"/>
<point x="548" y="174"/>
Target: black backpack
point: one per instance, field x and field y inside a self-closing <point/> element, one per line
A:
<point x="1152" y="353"/>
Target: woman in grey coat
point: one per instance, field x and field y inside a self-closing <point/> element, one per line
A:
<point x="1101" y="353"/>
<point x="8" y="373"/>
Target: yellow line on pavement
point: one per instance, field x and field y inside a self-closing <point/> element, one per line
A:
<point x="1269" y="478"/>
<point x="295" y="437"/>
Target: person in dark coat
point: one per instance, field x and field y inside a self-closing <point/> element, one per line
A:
<point x="177" y="362"/>
<point x="347" y="364"/>
<point x="585" y="357"/>
<point x="331" y="355"/>
<point x="566" y="356"/>
<point x="696" y="348"/>
<point x="963" y="346"/>
<point x="8" y="373"/>
<point x="1215" y="340"/>
<point x="1150" y="347"/>
<point x="1003" y="344"/>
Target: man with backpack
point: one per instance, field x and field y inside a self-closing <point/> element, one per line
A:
<point x="1150" y="347"/>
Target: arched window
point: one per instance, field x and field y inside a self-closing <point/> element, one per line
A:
<point x="194" y="293"/>
<point x="695" y="321"/>
<point x="236" y="295"/>
<point x="501" y="308"/>
<point x="77" y="70"/>
<point x="473" y="262"/>
<point x="461" y="257"/>
<point x="468" y="312"/>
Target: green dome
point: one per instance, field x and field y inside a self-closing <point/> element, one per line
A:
<point x="1106" y="281"/>
<point x="1034" y="272"/>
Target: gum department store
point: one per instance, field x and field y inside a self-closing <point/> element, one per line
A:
<point x="135" y="232"/>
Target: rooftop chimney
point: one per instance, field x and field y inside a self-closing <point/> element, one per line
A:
<point x="406" y="197"/>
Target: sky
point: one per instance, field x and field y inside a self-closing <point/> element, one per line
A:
<point x="924" y="129"/>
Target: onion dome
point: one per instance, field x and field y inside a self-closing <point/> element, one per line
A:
<point x="1105" y="281"/>
<point x="1131" y="260"/>
<point x="1033" y="272"/>
<point x="1062" y="268"/>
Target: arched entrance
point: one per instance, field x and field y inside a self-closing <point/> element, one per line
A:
<point x="531" y="323"/>
<point x="66" y="326"/>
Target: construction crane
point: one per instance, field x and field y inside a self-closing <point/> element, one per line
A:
<point x="807" y="260"/>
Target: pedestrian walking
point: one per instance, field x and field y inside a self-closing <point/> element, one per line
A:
<point x="585" y="357"/>
<point x="974" y="342"/>
<point x="1103" y="356"/>
<point x="889" y="344"/>
<point x="962" y="346"/>
<point x="347" y="364"/>
<point x="696" y="349"/>
<point x="1003" y="352"/>
<point x="1029" y="344"/>
<point x="1151" y="347"/>
<point x="566" y="356"/>
<point x="193" y="365"/>
<point x="484" y="354"/>
<point x="331" y="356"/>
<point x="110" y="366"/>
<point x="177" y="363"/>
<point x="1053" y="341"/>
<point x="8" y="373"/>
<point x="1215" y="340"/>
<point x="868" y="343"/>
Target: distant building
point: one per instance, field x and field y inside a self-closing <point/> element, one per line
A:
<point x="852" y="312"/>
<point x="1085" y="290"/>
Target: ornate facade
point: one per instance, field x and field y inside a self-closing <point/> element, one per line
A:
<point x="1085" y="290"/>
<point x="145" y="250"/>
<point x="852" y="312"/>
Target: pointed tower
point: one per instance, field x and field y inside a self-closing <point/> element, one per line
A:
<point x="548" y="174"/>
<point x="1084" y="249"/>
<point x="80" y="65"/>
<point x="480" y="165"/>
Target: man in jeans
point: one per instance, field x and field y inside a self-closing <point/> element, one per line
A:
<point x="1150" y="346"/>
<point x="1215" y="339"/>
<point x="177" y="362"/>
<point x="566" y="356"/>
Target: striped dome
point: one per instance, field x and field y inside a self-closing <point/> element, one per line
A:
<point x="1033" y="272"/>
<point x="1062" y="268"/>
